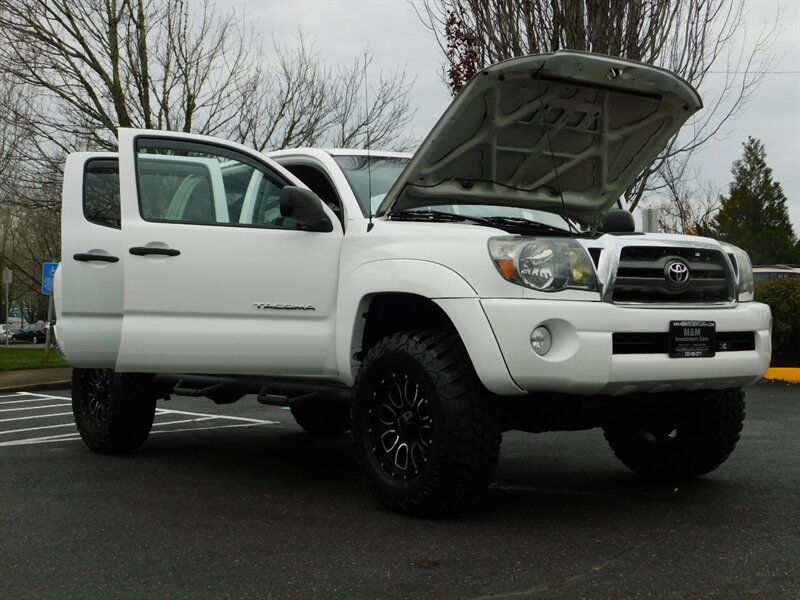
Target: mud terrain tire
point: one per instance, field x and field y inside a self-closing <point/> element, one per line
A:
<point x="113" y="411"/>
<point x="423" y="428"/>
<point x="689" y="441"/>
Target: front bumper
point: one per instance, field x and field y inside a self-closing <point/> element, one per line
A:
<point x="582" y="360"/>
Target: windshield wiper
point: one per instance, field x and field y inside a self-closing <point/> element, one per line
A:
<point x="495" y="221"/>
<point x="433" y="215"/>
<point x="522" y="222"/>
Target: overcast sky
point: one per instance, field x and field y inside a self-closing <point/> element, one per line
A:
<point x="343" y="29"/>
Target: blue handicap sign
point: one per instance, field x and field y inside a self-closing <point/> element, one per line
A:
<point x="48" y="272"/>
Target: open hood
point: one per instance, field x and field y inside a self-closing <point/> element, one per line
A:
<point x="531" y="130"/>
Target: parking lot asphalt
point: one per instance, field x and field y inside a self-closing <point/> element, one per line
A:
<point x="237" y="502"/>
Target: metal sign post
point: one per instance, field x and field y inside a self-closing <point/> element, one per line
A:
<point x="48" y="272"/>
<point x="8" y="277"/>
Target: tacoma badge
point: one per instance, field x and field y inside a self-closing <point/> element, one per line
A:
<point x="271" y="306"/>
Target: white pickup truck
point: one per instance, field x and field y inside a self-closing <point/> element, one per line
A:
<point x="427" y="303"/>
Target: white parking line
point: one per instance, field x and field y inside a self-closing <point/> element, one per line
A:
<point x="36" y="417"/>
<point x="212" y="427"/>
<point x="2" y="410"/>
<point x="184" y="421"/>
<point x="62" y="437"/>
<point x="194" y="414"/>
<point x="45" y="396"/>
<point x="65" y="437"/>
<point x="5" y="402"/>
<point x="11" y="395"/>
<point x="70" y="424"/>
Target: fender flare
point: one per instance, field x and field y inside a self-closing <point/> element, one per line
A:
<point x="426" y="279"/>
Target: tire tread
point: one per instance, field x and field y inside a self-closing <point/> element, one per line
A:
<point x="712" y="423"/>
<point x="470" y="436"/>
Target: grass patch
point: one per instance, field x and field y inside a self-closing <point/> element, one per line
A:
<point x="14" y="359"/>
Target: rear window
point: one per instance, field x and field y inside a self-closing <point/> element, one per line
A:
<point x="101" y="192"/>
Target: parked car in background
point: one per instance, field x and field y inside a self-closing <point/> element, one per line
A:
<point x="764" y="273"/>
<point x="35" y="334"/>
<point x="5" y="333"/>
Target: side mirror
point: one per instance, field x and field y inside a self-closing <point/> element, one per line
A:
<point x="305" y="207"/>
<point x="617" y="221"/>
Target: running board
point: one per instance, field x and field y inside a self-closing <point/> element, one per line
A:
<point x="224" y="389"/>
<point x="264" y="397"/>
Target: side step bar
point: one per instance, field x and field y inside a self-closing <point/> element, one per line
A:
<point x="224" y="389"/>
<point x="265" y="397"/>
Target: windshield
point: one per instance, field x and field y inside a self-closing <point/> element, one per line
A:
<point x="370" y="186"/>
<point x="370" y="177"/>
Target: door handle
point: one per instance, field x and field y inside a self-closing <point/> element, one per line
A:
<point x="98" y="257"/>
<point x="146" y="250"/>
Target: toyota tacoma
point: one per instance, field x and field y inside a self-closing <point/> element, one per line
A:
<point x="427" y="303"/>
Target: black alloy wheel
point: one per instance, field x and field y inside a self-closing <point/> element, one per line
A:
<point x="113" y="411"/>
<point x="97" y="390"/>
<point x="401" y="425"/>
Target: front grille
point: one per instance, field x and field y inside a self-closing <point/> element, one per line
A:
<point x="657" y="343"/>
<point x="641" y="276"/>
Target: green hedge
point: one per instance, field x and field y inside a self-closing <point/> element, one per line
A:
<point x="783" y="297"/>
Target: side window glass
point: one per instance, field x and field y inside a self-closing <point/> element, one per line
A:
<point x="203" y="184"/>
<point x="101" y="192"/>
<point x="236" y="181"/>
<point x="267" y="209"/>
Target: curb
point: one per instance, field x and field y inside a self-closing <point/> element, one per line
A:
<point x="787" y="374"/>
<point x="37" y="387"/>
<point x="25" y="380"/>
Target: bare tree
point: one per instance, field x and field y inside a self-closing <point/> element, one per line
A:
<point x="29" y="228"/>
<point x="91" y="66"/>
<point x="693" y="38"/>
<point x="13" y="134"/>
<point x="28" y="237"/>
<point x="95" y="65"/>
<point x="686" y="203"/>
<point x="371" y="114"/>
<point x="296" y="100"/>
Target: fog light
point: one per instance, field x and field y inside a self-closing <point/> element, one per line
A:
<point x="541" y="340"/>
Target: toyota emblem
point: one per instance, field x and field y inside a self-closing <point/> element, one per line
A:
<point x="676" y="272"/>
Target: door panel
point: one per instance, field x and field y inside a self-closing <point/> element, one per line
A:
<point x="89" y="287"/>
<point x="228" y="285"/>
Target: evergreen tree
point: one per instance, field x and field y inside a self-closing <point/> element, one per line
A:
<point x="754" y="215"/>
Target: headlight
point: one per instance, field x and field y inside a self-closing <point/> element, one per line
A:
<point x="744" y="272"/>
<point x="544" y="264"/>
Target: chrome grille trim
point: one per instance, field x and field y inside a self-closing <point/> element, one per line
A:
<point x="632" y="273"/>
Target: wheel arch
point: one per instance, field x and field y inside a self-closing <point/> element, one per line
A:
<point x="382" y="297"/>
<point x="388" y="313"/>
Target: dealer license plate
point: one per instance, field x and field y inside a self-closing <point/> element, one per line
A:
<point x="692" y="339"/>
